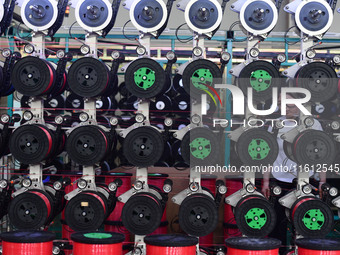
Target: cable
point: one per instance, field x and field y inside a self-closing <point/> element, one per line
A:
<point x="230" y="29"/>
<point x="185" y="40"/>
<point x="70" y="31"/>
<point x="285" y="37"/>
<point x="18" y="34"/>
<point x="129" y="38"/>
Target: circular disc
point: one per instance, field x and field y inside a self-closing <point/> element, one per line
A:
<point x="87" y="145"/>
<point x="148" y="15"/>
<point x="39" y="15"/>
<point x="320" y="79"/>
<point x="203" y="16"/>
<point x="1" y="11"/>
<point x="93" y="15"/>
<point x="88" y="77"/>
<point x="145" y="78"/>
<point x="314" y="17"/>
<point x="143" y="146"/>
<point x="257" y="147"/>
<point x="198" y="215"/>
<point x="255" y="216"/>
<point x="142" y="214"/>
<point x="258" y="16"/>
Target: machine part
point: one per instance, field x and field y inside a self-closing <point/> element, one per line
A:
<point x="39" y="15"/>
<point x="161" y="105"/>
<point x="257" y="147"/>
<point x="246" y="245"/>
<point x="318" y="78"/>
<point x="306" y="246"/>
<point x="143" y="146"/>
<point x="170" y="244"/>
<point x="55" y="104"/>
<point x="313" y="147"/>
<point x="29" y="48"/>
<point x="31" y="210"/>
<point x="31" y="144"/>
<point x="198" y="215"/>
<point x="177" y="83"/>
<point x="86" y="211"/>
<point x="148" y="16"/>
<point x="145" y="78"/>
<point x="88" y="145"/>
<point x="85" y="49"/>
<point x="93" y="15"/>
<point x="258" y="17"/>
<point x="203" y="17"/>
<point x="32" y="76"/>
<point x="89" y="77"/>
<point x="200" y="147"/>
<point x="313" y="17"/>
<point x="262" y="76"/>
<point x="311" y="217"/>
<point x="142" y="213"/>
<point x="255" y="216"/>
<point x="200" y="76"/>
<point x="74" y="102"/>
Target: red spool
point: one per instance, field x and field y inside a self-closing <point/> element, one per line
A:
<point x="229" y="226"/>
<point x="158" y="181"/>
<point x="252" y="246"/>
<point x="170" y="245"/>
<point x="318" y="246"/>
<point x="27" y="243"/>
<point x="97" y="243"/>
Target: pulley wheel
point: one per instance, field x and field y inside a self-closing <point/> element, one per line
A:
<point x="32" y="76"/>
<point x="312" y="217"/>
<point x="87" y="145"/>
<point x="142" y="213"/>
<point x="55" y="104"/>
<point x="86" y="211"/>
<point x="178" y="84"/>
<point x="143" y="146"/>
<point x="30" y="210"/>
<point x="31" y="144"/>
<point x="200" y="77"/>
<point x="257" y="147"/>
<point x="261" y="76"/>
<point x="162" y="105"/>
<point x="320" y="79"/>
<point x="255" y="216"/>
<point x="200" y="147"/>
<point x="88" y="77"/>
<point x="145" y="78"/>
<point x="313" y="147"/>
<point x="74" y="101"/>
<point x="181" y="105"/>
<point x="198" y="215"/>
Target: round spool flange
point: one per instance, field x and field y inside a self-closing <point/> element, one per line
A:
<point x="255" y="216"/>
<point x="198" y="215"/>
<point x="143" y="146"/>
<point x="148" y="15"/>
<point x="318" y="246"/>
<point x="145" y="78"/>
<point x="97" y="243"/>
<point x="313" y="17"/>
<point x="39" y="15"/>
<point x="200" y="76"/>
<point x="313" y="147"/>
<point x="200" y="147"/>
<point x="311" y="217"/>
<point x="203" y="16"/>
<point x="262" y="76"/>
<point x="171" y="244"/>
<point x="93" y="15"/>
<point x="32" y="76"/>
<point x="1" y="11"/>
<point x="257" y="147"/>
<point x="87" y="145"/>
<point x="27" y="242"/>
<point x="89" y="77"/>
<point x="31" y="209"/>
<point x="142" y="213"/>
<point x="86" y="211"/>
<point x="320" y="79"/>
<point x="252" y="246"/>
<point x="258" y="16"/>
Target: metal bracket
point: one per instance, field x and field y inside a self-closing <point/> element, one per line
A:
<point x="140" y="245"/>
<point x="292" y="6"/>
<point x="143" y="108"/>
<point x="179" y="134"/>
<point x="182" y="5"/>
<point x="91" y="40"/>
<point x="38" y="41"/>
<point x="236" y="6"/>
<point x="181" y="68"/>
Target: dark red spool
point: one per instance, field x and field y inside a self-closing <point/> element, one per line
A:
<point x="170" y="245"/>
<point x="27" y="243"/>
<point x="252" y="246"/>
<point x="229" y="226"/>
<point x="318" y="246"/>
<point x="157" y="180"/>
<point x="97" y="243"/>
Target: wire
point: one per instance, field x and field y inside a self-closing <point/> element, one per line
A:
<point x="70" y="31"/>
<point x="185" y="40"/>
<point x="285" y="37"/>
<point x="230" y="29"/>
<point x="129" y="38"/>
<point x="18" y="34"/>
